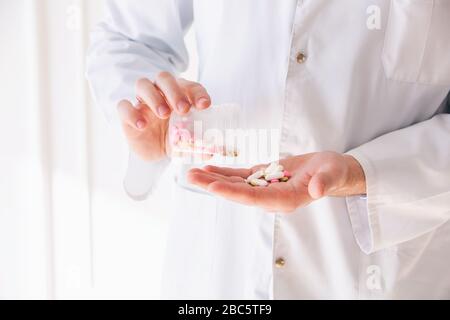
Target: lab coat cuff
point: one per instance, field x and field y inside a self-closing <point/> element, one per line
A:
<point x="142" y="176"/>
<point x="359" y="218"/>
<point x="362" y="211"/>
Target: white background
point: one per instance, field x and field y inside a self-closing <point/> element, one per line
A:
<point x="67" y="229"/>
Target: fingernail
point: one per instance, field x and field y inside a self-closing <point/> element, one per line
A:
<point x="203" y="102"/>
<point x="163" y="111"/>
<point x="140" y="124"/>
<point x="183" y="106"/>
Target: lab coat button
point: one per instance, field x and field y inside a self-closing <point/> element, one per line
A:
<point x="280" y="263"/>
<point x="301" y="57"/>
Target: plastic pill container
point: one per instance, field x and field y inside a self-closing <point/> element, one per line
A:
<point x="203" y="137"/>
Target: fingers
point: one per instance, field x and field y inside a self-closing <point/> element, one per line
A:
<point x="152" y="97"/>
<point x="203" y="178"/>
<point x="168" y="94"/>
<point x="218" y="176"/>
<point x="174" y="95"/>
<point x="131" y="116"/>
<point x="245" y="194"/>
<point x="243" y="173"/>
<point x="196" y="93"/>
<point x="200" y="180"/>
<point x="238" y="192"/>
<point x="233" y="188"/>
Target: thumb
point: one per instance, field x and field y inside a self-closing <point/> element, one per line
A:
<point x="321" y="184"/>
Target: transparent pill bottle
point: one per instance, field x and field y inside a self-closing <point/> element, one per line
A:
<point x="203" y="137"/>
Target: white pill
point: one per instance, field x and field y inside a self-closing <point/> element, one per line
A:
<point x="257" y="175"/>
<point x="272" y="168"/>
<point x="259" y="183"/>
<point x="274" y="176"/>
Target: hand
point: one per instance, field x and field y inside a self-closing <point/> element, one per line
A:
<point x="314" y="176"/>
<point x="146" y="124"/>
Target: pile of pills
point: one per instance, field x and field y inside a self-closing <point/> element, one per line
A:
<point x="274" y="173"/>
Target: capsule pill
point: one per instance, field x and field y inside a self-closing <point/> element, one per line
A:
<point x="257" y="175"/>
<point x="272" y="168"/>
<point x="274" y="176"/>
<point x="259" y="183"/>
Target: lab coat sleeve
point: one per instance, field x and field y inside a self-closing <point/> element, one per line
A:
<point x="408" y="185"/>
<point x="137" y="39"/>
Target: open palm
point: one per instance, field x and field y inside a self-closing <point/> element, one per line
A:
<point x="313" y="177"/>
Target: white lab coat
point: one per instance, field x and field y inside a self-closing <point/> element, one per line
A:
<point x="378" y="94"/>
